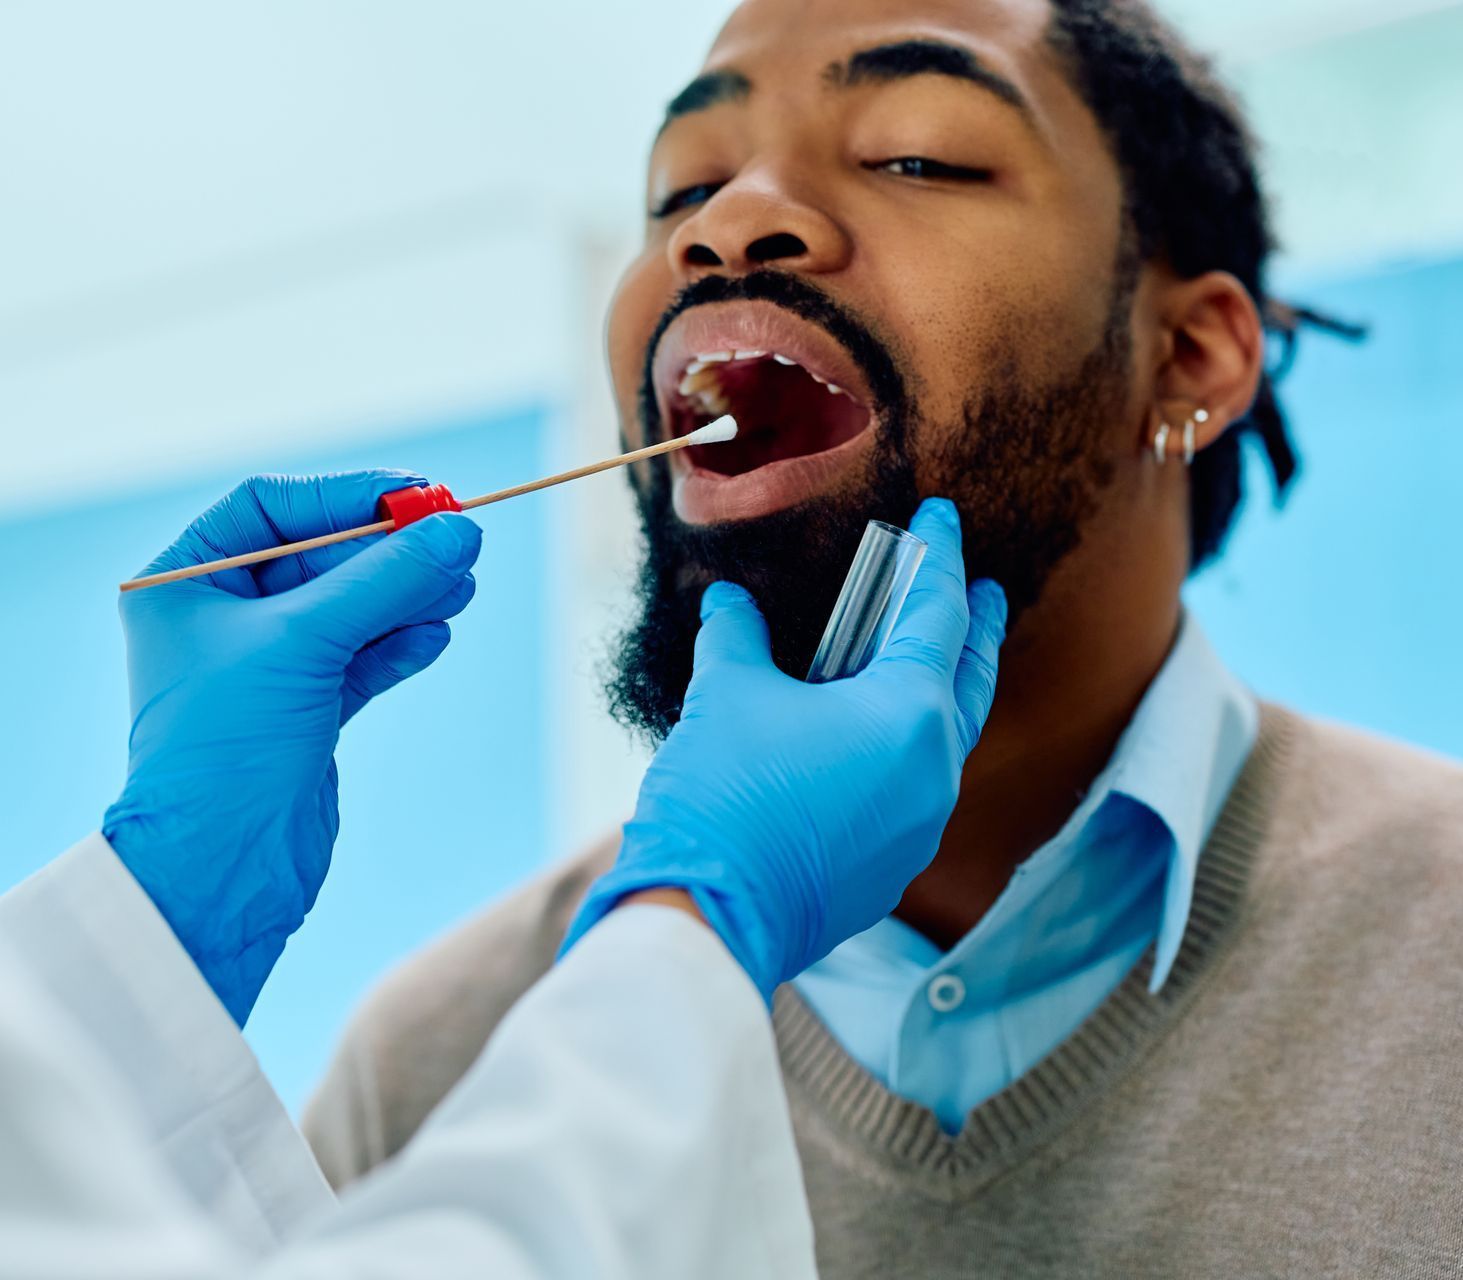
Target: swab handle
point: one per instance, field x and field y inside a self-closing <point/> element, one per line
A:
<point x="405" y="506"/>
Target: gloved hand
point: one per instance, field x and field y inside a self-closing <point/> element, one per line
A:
<point x="240" y="682"/>
<point x="796" y="815"/>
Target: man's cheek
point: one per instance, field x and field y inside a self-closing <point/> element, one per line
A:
<point x="997" y="323"/>
<point x="630" y="323"/>
<point x="625" y="377"/>
<point x="632" y="425"/>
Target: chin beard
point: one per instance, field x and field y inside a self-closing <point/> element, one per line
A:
<point x="1025" y="466"/>
<point x="793" y="562"/>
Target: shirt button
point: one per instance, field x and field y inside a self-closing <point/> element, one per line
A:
<point x="946" y="993"/>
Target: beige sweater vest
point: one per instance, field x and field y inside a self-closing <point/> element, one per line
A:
<point x="1291" y="1104"/>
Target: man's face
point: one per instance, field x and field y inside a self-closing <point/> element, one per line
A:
<point x="886" y="237"/>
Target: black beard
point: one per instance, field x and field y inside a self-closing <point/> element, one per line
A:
<point x="1025" y="470"/>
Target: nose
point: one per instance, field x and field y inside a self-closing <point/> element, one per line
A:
<point x="752" y="223"/>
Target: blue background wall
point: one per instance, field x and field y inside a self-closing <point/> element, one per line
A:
<point x="1345" y="604"/>
<point x="442" y="783"/>
<point x="1349" y="601"/>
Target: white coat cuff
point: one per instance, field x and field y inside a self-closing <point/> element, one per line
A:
<point x="92" y="936"/>
<point x="681" y="971"/>
<point x="630" y="1106"/>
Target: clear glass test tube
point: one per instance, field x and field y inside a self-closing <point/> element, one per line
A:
<point x="869" y="604"/>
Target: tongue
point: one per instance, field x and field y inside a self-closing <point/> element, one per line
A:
<point x="781" y="413"/>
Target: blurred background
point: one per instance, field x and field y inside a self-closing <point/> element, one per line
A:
<point x="284" y="236"/>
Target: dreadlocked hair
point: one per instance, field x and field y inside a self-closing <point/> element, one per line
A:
<point x="1193" y="200"/>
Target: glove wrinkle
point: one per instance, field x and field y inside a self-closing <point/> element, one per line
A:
<point x="796" y="815"/>
<point x="239" y="685"/>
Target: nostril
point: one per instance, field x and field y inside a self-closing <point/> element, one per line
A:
<point x="699" y="255"/>
<point x="780" y="245"/>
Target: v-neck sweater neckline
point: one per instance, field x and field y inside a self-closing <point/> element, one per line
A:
<point x="906" y="1138"/>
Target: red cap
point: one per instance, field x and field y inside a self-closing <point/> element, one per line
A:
<point x="406" y="506"/>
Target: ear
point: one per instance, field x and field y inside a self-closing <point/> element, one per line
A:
<point x="1212" y="358"/>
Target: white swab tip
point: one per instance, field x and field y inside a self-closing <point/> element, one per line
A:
<point x="718" y="432"/>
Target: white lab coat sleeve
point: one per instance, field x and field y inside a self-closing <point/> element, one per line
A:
<point x="93" y="941"/>
<point x="83" y="1192"/>
<point x="626" y="1120"/>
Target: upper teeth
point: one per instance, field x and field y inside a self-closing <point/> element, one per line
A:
<point x="708" y="390"/>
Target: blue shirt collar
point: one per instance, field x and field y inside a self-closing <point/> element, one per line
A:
<point x="1179" y="757"/>
<point x="1077" y="915"/>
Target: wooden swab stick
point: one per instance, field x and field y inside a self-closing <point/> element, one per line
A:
<point x="717" y="432"/>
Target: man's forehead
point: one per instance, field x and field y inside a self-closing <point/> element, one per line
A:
<point x="1011" y="30"/>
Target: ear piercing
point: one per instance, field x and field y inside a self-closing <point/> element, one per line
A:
<point x="1200" y="417"/>
<point x="1160" y="444"/>
<point x="1161" y="438"/>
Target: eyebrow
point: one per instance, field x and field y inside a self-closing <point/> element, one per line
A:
<point x="709" y="90"/>
<point x="907" y="59"/>
<point x="883" y="64"/>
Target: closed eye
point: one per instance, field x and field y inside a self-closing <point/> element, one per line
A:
<point x="685" y="198"/>
<point x="924" y="167"/>
<point x="901" y="166"/>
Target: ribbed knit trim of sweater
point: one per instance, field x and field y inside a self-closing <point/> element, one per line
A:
<point x="1290" y="1104"/>
<point x="1005" y="1128"/>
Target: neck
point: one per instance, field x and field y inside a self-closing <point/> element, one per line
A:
<point x="1072" y="675"/>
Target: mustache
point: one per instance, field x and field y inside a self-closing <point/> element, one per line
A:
<point x="874" y="356"/>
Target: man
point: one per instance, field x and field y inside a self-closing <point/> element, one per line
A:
<point x="137" y="1135"/>
<point x="1179" y="993"/>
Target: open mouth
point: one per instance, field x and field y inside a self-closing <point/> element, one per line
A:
<point x="783" y="410"/>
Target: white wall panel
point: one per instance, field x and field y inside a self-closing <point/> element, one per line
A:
<point x="388" y="347"/>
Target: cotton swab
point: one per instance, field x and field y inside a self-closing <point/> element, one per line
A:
<point x="413" y="504"/>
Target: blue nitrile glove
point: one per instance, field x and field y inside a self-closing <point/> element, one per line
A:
<point x="240" y="682"/>
<point x="797" y="814"/>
